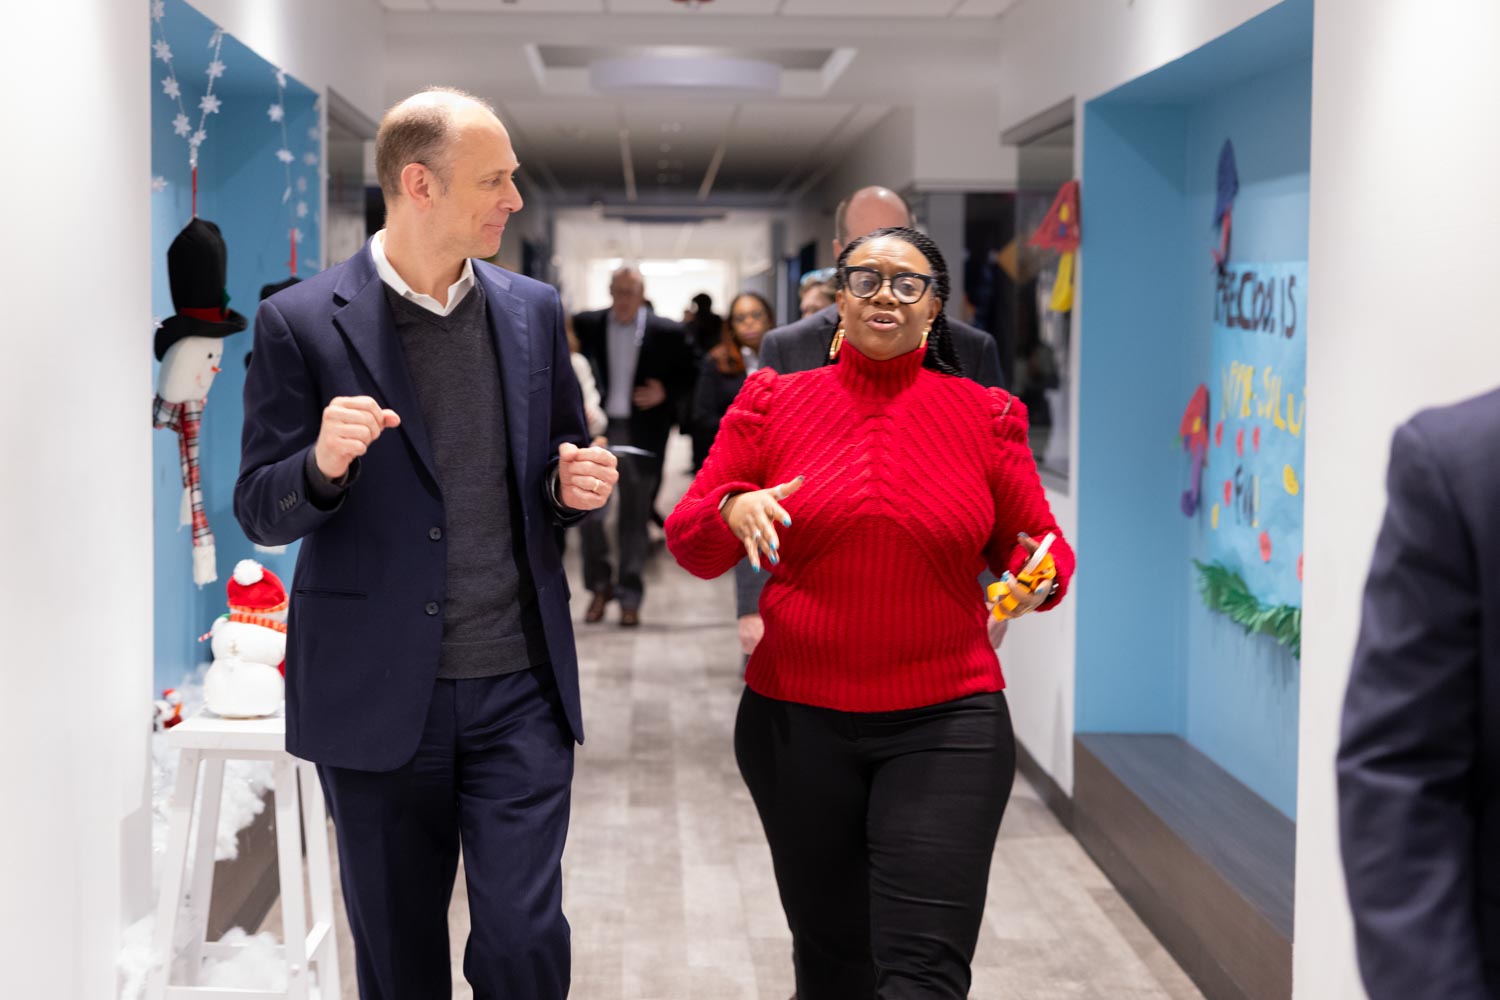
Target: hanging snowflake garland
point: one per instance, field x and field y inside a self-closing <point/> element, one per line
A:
<point x="277" y="113"/>
<point x="172" y="87"/>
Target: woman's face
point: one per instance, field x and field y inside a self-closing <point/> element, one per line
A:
<point x="882" y="326"/>
<point x="750" y="321"/>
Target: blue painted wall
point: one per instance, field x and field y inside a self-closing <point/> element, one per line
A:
<point x="1150" y="162"/>
<point x="240" y="187"/>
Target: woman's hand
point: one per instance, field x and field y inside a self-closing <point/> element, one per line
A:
<point x="1015" y="596"/>
<point x="753" y="518"/>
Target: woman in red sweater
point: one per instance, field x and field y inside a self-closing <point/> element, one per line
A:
<point x="873" y="733"/>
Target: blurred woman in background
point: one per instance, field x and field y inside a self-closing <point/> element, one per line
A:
<point x="727" y="364"/>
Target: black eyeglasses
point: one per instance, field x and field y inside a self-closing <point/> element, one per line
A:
<point x="907" y="286"/>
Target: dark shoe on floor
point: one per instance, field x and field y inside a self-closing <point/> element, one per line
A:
<point x="630" y="617"/>
<point x="595" y="613"/>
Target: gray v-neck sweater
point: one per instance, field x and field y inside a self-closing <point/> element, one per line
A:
<point x="491" y="623"/>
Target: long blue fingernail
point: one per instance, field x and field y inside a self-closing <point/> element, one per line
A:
<point x="775" y="545"/>
<point x="787" y="521"/>
<point x="755" y="567"/>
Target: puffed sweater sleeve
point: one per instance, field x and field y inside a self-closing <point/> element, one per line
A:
<point x="697" y="535"/>
<point x="1020" y="500"/>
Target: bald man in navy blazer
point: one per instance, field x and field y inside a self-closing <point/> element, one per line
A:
<point x="412" y="416"/>
<point x="1419" y="760"/>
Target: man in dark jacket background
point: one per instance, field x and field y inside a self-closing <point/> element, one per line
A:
<point x="644" y="368"/>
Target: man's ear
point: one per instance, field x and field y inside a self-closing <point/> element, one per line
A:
<point x="416" y="183"/>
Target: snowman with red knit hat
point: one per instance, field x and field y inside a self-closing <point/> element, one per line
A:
<point x="249" y="644"/>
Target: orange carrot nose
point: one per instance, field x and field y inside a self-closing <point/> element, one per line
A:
<point x="215" y="369"/>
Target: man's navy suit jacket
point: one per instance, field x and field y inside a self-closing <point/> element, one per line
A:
<point x="366" y="621"/>
<point x="1419" y="760"/>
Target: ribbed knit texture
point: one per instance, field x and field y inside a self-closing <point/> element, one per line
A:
<point x="915" y="481"/>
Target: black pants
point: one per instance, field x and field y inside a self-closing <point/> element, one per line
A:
<point x="881" y="827"/>
<point x="640" y="478"/>
<point x="492" y="775"/>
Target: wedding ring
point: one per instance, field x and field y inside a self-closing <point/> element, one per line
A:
<point x="597" y="483"/>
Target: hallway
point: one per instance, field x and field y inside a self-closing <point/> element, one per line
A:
<point x="668" y="880"/>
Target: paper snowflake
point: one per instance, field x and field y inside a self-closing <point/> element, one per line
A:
<point x="209" y="105"/>
<point x="215" y="38"/>
<point x="155" y="322"/>
<point x="158" y="184"/>
<point x="301" y="209"/>
<point x="301" y="184"/>
<point x="276" y="112"/>
<point x="215" y="70"/>
<point x="158" y="9"/>
<point x="284" y="155"/>
<point x="297" y="235"/>
<point x="311" y="159"/>
<point x="170" y="88"/>
<point x="162" y="49"/>
<point x="315" y="133"/>
<point x="197" y="138"/>
<point x="281" y="78"/>
<point x="181" y="125"/>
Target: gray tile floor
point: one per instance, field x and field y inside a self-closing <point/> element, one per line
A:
<point x="668" y="880"/>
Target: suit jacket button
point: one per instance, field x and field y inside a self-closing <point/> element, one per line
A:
<point x="432" y="608"/>
<point x="435" y="533"/>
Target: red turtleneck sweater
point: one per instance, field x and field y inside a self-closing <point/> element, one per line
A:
<point x="915" y="481"/>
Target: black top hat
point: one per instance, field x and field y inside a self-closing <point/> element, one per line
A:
<point x="196" y="264"/>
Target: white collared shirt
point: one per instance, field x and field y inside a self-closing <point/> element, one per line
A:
<point x="456" y="291"/>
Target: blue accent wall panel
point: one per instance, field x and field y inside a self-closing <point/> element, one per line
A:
<point x="1164" y="663"/>
<point x="241" y="183"/>
<point x="1133" y="383"/>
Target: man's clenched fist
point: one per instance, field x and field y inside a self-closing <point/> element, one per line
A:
<point x="585" y="476"/>
<point x="350" y="425"/>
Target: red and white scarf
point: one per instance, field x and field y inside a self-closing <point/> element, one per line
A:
<point x="185" y="419"/>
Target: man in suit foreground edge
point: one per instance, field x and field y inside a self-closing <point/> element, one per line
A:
<point x="1419" y="758"/>
<point x="412" y="416"/>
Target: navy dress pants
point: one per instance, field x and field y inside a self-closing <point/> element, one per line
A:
<point x="491" y="777"/>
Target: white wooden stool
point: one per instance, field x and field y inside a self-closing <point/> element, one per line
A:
<point x="211" y="740"/>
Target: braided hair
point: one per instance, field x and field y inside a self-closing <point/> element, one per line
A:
<point x="941" y="356"/>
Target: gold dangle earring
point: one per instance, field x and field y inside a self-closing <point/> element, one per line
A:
<point x="838" y="342"/>
<point x="924" y="335"/>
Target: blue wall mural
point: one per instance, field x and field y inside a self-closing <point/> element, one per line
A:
<point x="1147" y="296"/>
<point x="248" y="187"/>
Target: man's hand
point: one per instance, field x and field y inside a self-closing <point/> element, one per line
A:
<point x="350" y="425"/>
<point x="585" y="476"/>
<point x="650" y="395"/>
<point x="752" y="630"/>
<point x="997" y="629"/>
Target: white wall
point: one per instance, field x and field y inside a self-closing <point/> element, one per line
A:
<point x="326" y="43"/>
<point x="1406" y="133"/>
<point x="1052" y="51"/>
<point x="958" y="147"/>
<point x="75" y="495"/>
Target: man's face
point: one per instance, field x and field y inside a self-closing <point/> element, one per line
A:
<point x="629" y="294"/>
<point x="864" y="217"/>
<point x="470" y="215"/>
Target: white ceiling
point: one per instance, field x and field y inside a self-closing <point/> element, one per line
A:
<point x="848" y="63"/>
<point x="720" y="8"/>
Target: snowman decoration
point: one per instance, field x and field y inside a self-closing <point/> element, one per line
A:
<point x="245" y="680"/>
<point x="190" y="344"/>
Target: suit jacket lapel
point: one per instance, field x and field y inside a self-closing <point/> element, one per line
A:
<point x="512" y="332"/>
<point x="364" y="318"/>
